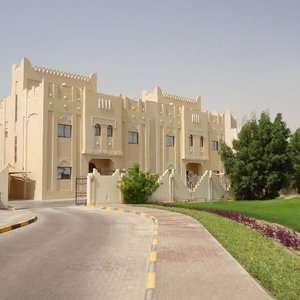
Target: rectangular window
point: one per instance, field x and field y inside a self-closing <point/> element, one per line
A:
<point x="133" y="137"/>
<point x="214" y="145"/>
<point x="64" y="130"/>
<point x="201" y="141"/>
<point x="64" y="173"/>
<point x="191" y="140"/>
<point x="16" y="108"/>
<point x="170" y="141"/>
<point x="16" y="149"/>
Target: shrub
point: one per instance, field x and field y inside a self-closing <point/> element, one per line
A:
<point x="138" y="186"/>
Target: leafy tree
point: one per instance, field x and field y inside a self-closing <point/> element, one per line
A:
<point x="294" y="148"/>
<point x="277" y="158"/>
<point x="259" y="163"/>
<point x="138" y="186"/>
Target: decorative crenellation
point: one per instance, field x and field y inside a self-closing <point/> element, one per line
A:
<point x="104" y="103"/>
<point x="195" y="118"/>
<point x="175" y="97"/>
<point x="61" y="73"/>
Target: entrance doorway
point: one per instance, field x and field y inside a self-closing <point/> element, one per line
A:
<point x="92" y="166"/>
<point x="193" y="173"/>
<point x="103" y="166"/>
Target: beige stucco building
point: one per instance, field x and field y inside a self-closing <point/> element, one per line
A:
<point x="56" y="126"/>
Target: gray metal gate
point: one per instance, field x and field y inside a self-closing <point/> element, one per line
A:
<point x="81" y="194"/>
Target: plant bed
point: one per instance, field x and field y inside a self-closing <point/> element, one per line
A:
<point x="287" y="237"/>
<point x="280" y="211"/>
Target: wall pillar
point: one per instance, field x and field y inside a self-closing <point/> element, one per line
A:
<point x="209" y="191"/>
<point x="90" y="199"/>
<point x="171" y="185"/>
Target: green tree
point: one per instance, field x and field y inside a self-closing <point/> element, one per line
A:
<point x="294" y="148"/>
<point x="259" y="162"/>
<point x="138" y="186"/>
<point x="277" y="159"/>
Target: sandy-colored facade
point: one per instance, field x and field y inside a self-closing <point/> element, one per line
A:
<point x="56" y="126"/>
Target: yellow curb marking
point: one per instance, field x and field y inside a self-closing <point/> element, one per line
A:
<point x="153" y="256"/>
<point x="150" y="280"/>
<point x="21" y="224"/>
<point x="91" y="206"/>
<point x="24" y="223"/>
<point x="5" y="229"/>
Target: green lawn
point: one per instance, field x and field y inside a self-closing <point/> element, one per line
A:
<point x="281" y="211"/>
<point x="276" y="269"/>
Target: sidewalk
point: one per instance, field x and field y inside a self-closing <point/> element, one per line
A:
<point x="12" y="217"/>
<point x="192" y="264"/>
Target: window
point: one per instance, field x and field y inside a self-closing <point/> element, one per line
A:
<point x="170" y="141"/>
<point x="191" y="140"/>
<point x="133" y="137"/>
<point x="109" y="131"/>
<point x="64" y="130"/>
<point x="64" y="173"/>
<point x="201" y="141"/>
<point x="97" y="130"/>
<point x="16" y="149"/>
<point x="214" y="145"/>
<point x="16" y="108"/>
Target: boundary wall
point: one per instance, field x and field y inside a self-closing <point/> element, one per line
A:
<point x="102" y="189"/>
<point x="4" y="186"/>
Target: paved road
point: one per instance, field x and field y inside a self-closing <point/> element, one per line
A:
<point x="75" y="253"/>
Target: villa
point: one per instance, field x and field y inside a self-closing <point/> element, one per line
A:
<point x="56" y="126"/>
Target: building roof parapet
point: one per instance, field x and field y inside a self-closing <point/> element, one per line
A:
<point x="180" y="98"/>
<point x="61" y="73"/>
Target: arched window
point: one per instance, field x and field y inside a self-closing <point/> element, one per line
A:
<point x="109" y="131"/>
<point x="97" y="130"/>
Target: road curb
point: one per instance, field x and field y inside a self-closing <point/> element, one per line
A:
<point x="18" y="225"/>
<point x="150" y="278"/>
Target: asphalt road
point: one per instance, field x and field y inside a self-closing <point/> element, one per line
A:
<point x="75" y="253"/>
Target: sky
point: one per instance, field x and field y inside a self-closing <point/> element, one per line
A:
<point x="239" y="55"/>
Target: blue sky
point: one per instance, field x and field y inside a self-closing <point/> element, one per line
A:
<point x="238" y="55"/>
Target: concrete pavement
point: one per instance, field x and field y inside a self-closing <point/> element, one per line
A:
<point x="81" y="253"/>
<point x="20" y="210"/>
<point x="76" y="253"/>
<point x="192" y="264"/>
<point x="14" y="219"/>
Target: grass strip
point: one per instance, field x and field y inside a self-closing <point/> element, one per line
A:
<point x="281" y="211"/>
<point x="275" y="268"/>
